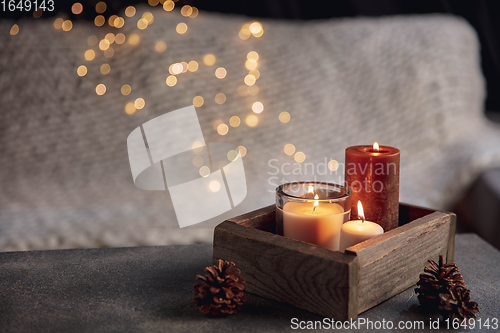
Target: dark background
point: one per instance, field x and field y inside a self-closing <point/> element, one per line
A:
<point x="483" y="15"/>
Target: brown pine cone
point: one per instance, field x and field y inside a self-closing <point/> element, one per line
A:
<point x="437" y="279"/>
<point x="222" y="291"/>
<point x="457" y="304"/>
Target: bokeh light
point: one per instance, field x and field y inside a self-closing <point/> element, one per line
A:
<point x="284" y="117"/>
<point x="110" y="37"/>
<point x="134" y="39"/>
<point x="257" y="107"/>
<point x="234" y="121"/>
<point x="209" y="59"/>
<point x="81" y="70"/>
<point x="232" y="155"/>
<point x="100" y="7"/>
<point x="252" y="56"/>
<point x="299" y="157"/>
<point x="139" y="103"/>
<point x="214" y="186"/>
<point x="111" y="20"/>
<point x="198" y="101"/>
<point x="105" y="69"/>
<point x="222" y="129"/>
<point x="255" y="28"/>
<point x="194" y="13"/>
<point x="149" y="17"/>
<point x="243" y="150"/>
<point x="168" y="5"/>
<point x="249" y="80"/>
<point x="192" y="66"/>
<point x="119" y="22"/>
<point x="242" y="91"/>
<point x="289" y="149"/>
<point x="99" y="20"/>
<point x="130" y="11"/>
<point x="220" y="98"/>
<point x="197" y="161"/>
<point x="197" y="147"/>
<point x="142" y="23"/>
<point x="186" y="10"/>
<point x="57" y="24"/>
<point x="220" y="73"/>
<point x="251" y="65"/>
<point x="181" y="28"/>
<point x="333" y="165"/>
<point x="104" y="44"/>
<point x="109" y="52"/>
<point x="67" y="25"/>
<point x="92" y="40"/>
<point x="77" y="8"/>
<point x="100" y="89"/>
<point x="255" y="73"/>
<point x="153" y="2"/>
<point x="253" y="90"/>
<point x="89" y="55"/>
<point x="126" y="90"/>
<point x="160" y="46"/>
<point x="252" y="120"/>
<point x="204" y="171"/>
<point x="14" y="30"/>
<point x="130" y="108"/>
<point x="171" y="80"/>
<point x="120" y="38"/>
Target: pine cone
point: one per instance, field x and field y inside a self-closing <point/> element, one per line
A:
<point x="457" y="304"/>
<point x="222" y="292"/>
<point x="437" y="279"/>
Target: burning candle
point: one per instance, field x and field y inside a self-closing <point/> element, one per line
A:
<point x="315" y="214"/>
<point x="354" y="232"/>
<point x="372" y="174"/>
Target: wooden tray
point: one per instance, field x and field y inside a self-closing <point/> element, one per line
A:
<point x="330" y="283"/>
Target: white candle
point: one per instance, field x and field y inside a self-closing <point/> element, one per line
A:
<point x="354" y="232"/>
<point x="314" y="222"/>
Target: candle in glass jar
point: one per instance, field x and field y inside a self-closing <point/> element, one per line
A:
<point x="372" y="174"/>
<point x="354" y="232"/>
<point x="314" y="222"/>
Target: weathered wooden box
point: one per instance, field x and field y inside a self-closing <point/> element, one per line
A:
<point x="330" y="283"/>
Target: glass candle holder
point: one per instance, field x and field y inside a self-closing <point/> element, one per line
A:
<point x="312" y="212"/>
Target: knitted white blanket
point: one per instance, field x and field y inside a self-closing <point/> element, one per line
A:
<point x="410" y="82"/>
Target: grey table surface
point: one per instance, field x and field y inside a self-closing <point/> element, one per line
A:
<point x="149" y="289"/>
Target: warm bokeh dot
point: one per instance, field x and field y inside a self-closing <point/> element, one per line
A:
<point x="110" y="37"/>
<point x="100" y="89"/>
<point x="168" y="5"/>
<point x="126" y="90"/>
<point x="104" y="44"/>
<point x="198" y="101"/>
<point x="220" y="98"/>
<point x="243" y="150"/>
<point x="130" y="11"/>
<point x="204" y="171"/>
<point x="333" y="165"/>
<point x="220" y="72"/>
<point x="197" y="147"/>
<point x="222" y="129"/>
<point x="232" y="155"/>
<point x="105" y="69"/>
<point x="89" y="55"/>
<point x="197" y="161"/>
<point x="57" y="24"/>
<point x="209" y="59"/>
<point x="192" y="66"/>
<point x="119" y="22"/>
<point x="111" y="20"/>
<point x="252" y="56"/>
<point x="257" y="107"/>
<point x="160" y="46"/>
<point x="251" y="65"/>
<point x="289" y="149"/>
<point x="67" y="25"/>
<point x="81" y="70"/>
<point x="14" y="30"/>
<point x="77" y="8"/>
<point x="130" y="108"/>
<point x="284" y="117"/>
<point x="252" y="120"/>
<point x="214" y="186"/>
<point x="99" y="20"/>
<point x="171" y="80"/>
<point x="134" y="39"/>
<point x="194" y="13"/>
<point x="149" y="17"/>
<point x="186" y="10"/>
<point x="100" y="7"/>
<point x="242" y="91"/>
<point x="253" y="90"/>
<point x="139" y="103"/>
<point x="234" y="121"/>
<point x="181" y="28"/>
<point x="120" y="38"/>
<point x="249" y="80"/>
<point x="109" y="52"/>
<point x="255" y="72"/>
<point x="153" y="2"/>
<point x="299" y="157"/>
<point x="142" y="23"/>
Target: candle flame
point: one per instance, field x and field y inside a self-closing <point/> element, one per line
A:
<point x="376" y="146"/>
<point x="311" y="189"/>
<point x="316" y="203"/>
<point x="361" y="213"/>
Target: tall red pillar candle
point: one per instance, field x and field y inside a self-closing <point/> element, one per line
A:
<point x="372" y="174"/>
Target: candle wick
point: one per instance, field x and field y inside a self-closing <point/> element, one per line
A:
<point x="314" y="208"/>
